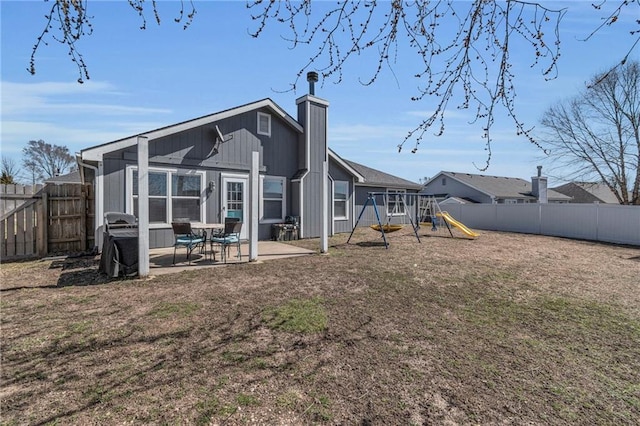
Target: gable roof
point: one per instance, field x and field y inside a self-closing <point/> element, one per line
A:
<point x="71" y="177"/>
<point x="498" y="186"/>
<point x="456" y="200"/>
<point x="345" y="165"/>
<point x="95" y="153"/>
<point x="587" y="192"/>
<point x="373" y="177"/>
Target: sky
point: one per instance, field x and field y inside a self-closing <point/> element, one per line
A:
<point x="141" y="80"/>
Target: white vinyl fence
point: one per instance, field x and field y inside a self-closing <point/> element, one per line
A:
<point x="610" y="223"/>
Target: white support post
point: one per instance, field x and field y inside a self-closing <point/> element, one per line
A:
<point x="143" y="206"/>
<point x="99" y="205"/>
<point x="324" y="237"/>
<point x="254" y="200"/>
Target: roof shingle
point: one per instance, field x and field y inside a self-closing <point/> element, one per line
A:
<point x="373" y="177"/>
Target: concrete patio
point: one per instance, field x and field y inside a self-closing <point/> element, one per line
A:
<point x="161" y="260"/>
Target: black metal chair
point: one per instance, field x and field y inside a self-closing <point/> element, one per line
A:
<point x="230" y="237"/>
<point x="185" y="237"/>
<point x="231" y="219"/>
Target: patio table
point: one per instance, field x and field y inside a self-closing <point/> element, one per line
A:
<point x="208" y="230"/>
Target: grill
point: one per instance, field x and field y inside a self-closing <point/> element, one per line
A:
<point x="286" y="231"/>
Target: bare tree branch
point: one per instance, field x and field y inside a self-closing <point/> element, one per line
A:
<point x="463" y="47"/>
<point x="9" y="171"/>
<point x="46" y="160"/>
<point x="68" y="21"/>
<point x="595" y="137"/>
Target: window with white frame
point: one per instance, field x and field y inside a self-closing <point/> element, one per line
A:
<point x="273" y="199"/>
<point x="173" y="195"/>
<point x="395" y="203"/>
<point x="340" y="197"/>
<point x="185" y="197"/>
<point x="264" y="124"/>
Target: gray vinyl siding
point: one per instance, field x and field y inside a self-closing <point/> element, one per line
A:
<point x="368" y="216"/>
<point x="114" y="184"/>
<point x="455" y="188"/>
<point x="192" y="150"/>
<point x="312" y="205"/>
<point x="294" y="199"/>
<point x="338" y="173"/>
<point x="312" y="182"/>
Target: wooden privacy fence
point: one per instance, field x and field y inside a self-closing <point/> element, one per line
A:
<point x="55" y="219"/>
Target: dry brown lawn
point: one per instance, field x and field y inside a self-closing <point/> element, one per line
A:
<point x="505" y="329"/>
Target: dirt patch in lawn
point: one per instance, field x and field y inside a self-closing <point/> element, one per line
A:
<point x="507" y="328"/>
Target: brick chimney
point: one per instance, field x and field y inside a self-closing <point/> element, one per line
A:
<point x="539" y="187"/>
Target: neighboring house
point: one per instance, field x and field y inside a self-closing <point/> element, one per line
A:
<point x="491" y="189"/>
<point x="71" y="177"/>
<point x="586" y="192"/>
<point x="199" y="169"/>
<point x="455" y="200"/>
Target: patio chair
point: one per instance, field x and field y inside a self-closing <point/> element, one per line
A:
<point x="185" y="237"/>
<point x="230" y="237"/>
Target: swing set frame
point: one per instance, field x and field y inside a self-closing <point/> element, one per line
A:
<point x="371" y="199"/>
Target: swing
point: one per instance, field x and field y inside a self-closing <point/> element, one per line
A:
<point x="429" y="212"/>
<point x="386" y="228"/>
<point x="390" y="227"/>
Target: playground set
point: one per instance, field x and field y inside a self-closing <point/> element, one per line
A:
<point x="428" y="213"/>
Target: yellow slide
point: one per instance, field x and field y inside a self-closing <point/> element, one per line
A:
<point x="446" y="216"/>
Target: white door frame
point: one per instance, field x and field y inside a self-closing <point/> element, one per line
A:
<point x="244" y="180"/>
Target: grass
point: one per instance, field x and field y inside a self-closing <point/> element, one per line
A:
<point x="298" y="316"/>
<point x="167" y="309"/>
<point x="503" y="329"/>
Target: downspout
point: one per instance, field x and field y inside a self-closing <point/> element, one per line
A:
<point x="331" y="204"/>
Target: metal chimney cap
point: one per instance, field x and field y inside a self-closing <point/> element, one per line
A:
<point x="312" y="76"/>
<point x="539" y="171"/>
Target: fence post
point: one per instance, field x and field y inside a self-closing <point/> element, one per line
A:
<point x="43" y="220"/>
<point x="539" y="218"/>
<point x="597" y="221"/>
<point x="83" y="218"/>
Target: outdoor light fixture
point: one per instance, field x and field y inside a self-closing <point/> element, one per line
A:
<point x="211" y="186"/>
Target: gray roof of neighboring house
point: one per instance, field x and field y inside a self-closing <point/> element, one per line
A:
<point x="587" y="192"/>
<point x="71" y="177"/>
<point x="500" y="186"/>
<point x="456" y="200"/>
<point x="373" y="177"/>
